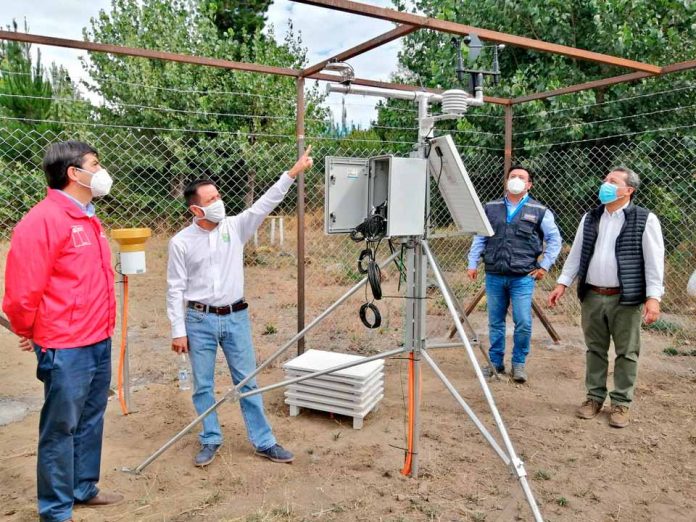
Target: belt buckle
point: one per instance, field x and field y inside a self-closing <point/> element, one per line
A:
<point x="199" y="307"/>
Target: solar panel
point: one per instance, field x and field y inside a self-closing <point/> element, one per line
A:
<point x="447" y="168"/>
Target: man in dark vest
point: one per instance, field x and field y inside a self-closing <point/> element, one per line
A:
<point x="522" y="225"/>
<point x="618" y="258"/>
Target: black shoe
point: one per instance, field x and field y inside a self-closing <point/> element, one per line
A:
<point x="206" y="455"/>
<point x="276" y="453"/>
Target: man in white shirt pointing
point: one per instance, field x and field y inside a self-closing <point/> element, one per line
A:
<point x="206" y="307"/>
<point x="618" y="258"/>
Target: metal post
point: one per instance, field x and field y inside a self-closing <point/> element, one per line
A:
<point x="516" y="464"/>
<point x="299" y="132"/>
<point x="419" y="303"/>
<point x="508" y="139"/>
<point x="126" y="360"/>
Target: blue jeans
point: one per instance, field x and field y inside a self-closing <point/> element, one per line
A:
<point x="76" y="388"/>
<point x="501" y="290"/>
<point x="232" y="332"/>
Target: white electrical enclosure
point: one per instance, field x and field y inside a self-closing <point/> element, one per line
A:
<point x="456" y="188"/>
<point x="345" y="194"/>
<point x="354" y="187"/>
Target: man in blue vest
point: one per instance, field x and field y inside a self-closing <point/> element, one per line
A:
<point x="522" y="225"/>
<point x="618" y="258"/>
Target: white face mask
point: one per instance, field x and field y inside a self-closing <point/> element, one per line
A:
<point x="100" y="184"/>
<point x="215" y="212"/>
<point x="516" y="185"/>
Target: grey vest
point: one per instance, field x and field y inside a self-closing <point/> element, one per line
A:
<point x="515" y="247"/>
<point x="629" y="253"/>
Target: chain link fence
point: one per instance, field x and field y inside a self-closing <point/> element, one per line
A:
<point x="151" y="169"/>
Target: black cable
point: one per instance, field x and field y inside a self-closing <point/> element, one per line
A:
<point x="365" y="254"/>
<point x="437" y="183"/>
<point x="377" y="317"/>
<point x="374" y="276"/>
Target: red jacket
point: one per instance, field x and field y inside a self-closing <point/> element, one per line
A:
<point x="59" y="284"/>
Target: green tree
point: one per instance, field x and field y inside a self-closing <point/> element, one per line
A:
<point x="203" y="119"/>
<point x="32" y="101"/>
<point x="658" y="32"/>
<point x="239" y="18"/>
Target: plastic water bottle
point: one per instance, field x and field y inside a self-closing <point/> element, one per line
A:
<point x="184" y="376"/>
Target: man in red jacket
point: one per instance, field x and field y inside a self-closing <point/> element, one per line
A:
<point x="59" y="298"/>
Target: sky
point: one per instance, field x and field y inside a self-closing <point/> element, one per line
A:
<point x="324" y="32"/>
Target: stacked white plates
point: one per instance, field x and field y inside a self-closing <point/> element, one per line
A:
<point x="354" y="391"/>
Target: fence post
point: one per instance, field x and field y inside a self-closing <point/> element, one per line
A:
<point x="508" y="139"/>
<point x="299" y="132"/>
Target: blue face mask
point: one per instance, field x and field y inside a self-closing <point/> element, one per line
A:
<point x="608" y="193"/>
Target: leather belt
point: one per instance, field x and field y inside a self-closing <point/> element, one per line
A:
<point x="603" y="290"/>
<point x="237" y="306"/>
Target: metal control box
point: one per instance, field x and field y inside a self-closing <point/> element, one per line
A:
<point x="356" y="186"/>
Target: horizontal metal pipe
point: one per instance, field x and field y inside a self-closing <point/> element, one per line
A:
<point x="386" y="93"/>
<point x="434" y="346"/>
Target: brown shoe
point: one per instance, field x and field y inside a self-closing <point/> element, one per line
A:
<point x="589" y="409"/>
<point x="104" y="498"/>
<point x="618" y="418"/>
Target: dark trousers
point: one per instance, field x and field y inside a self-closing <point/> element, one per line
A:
<point x="76" y="386"/>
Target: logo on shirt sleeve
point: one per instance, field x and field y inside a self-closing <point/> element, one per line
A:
<point x="79" y="236"/>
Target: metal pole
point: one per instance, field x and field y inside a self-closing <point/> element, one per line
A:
<point x="508" y="139"/>
<point x="300" y="135"/>
<point x="435" y="346"/>
<point x="450" y="387"/>
<point x="126" y="359"/>
<point x="421" y="268"/>
<point x="517" y="464"/>
<point x="234" y="391"/>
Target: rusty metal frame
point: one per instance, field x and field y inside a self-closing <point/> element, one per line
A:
<point x="425" y="22"/>
<point x="605" y="82"/>
<point x="394" y="34"/>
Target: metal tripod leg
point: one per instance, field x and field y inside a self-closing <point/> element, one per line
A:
<point x="234" y="394"/>
<point x="516" y="464"/>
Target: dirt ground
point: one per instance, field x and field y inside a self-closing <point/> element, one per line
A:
<point x="578" y="470"/>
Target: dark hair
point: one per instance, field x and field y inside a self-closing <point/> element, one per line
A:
<point x="520" y="167"/>
<point x="191" y="190"/>
<point x="62" y="155"/>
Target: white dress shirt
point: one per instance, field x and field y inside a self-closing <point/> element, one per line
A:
<point x="603" y="269"/>
<point x="208" y="266"/>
